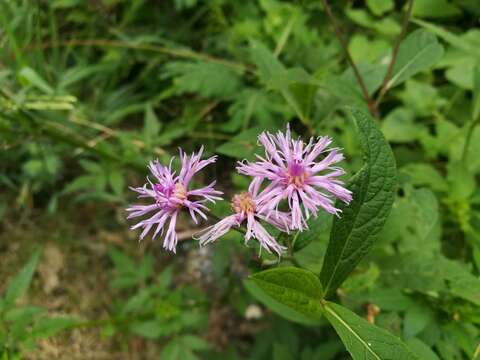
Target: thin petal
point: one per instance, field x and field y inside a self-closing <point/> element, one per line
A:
<point x="217" y="230"/>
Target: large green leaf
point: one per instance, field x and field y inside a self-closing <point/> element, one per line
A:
<point x="418" y="52"/>
<point x="291" y="292"/>
<point x="373" y="191"/>
<point x="363" y="340"/>
<point x="21" y="282"/>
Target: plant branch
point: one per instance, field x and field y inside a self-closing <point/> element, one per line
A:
<point x="343" y="43"/>
<point x="385" y="85"/>
<point x="185" y="53"/>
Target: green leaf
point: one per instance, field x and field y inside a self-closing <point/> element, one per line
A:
<point x="453" y="39"/>
<point x="116" y="181"/>
<point x="205" y="78"/>
<point x="194" y="342"/>
<point x="461" y="179"/>
<point x="169" y="134"/>
<point x="128" y="272"/>
<point x="414" y="223"/>
<point x="267" y="64"/>
<point x="248" y="106"/>
<point x="80" y="183"/>
<point x="379" y="7"/>
<point x="138" y="301"/>
<point x="432" y="274"/>
<point x="75" y="74"/>
<point x="418" y="52"/>
<point x="23" y="314"/>
<point x="434" y="9"/>
<point x="423" y="99"/>
<point x="461" y="73"/>
<point x="165" y="278"/>
<point x="298" y="88"/>
<point x="296" y="85"/>
<point x="386" y="26"/>
<point x="363" y="340"/>
<point x="365" y="50"/>
<point x="399" y="126"/>
<point x="460" y="282"/>
<point x="20" y="283"/>
<point x="150" y="329"/>
<point x="416" y="319"/>
<point x="29" y="76"/>
<point x="422" y="350"/>
<point x="425" y="174"/>
<point x="151" y="125"/>
<point x="291" y="292"/>
<point x="373" y="191"/>
<point x="46" y="327"/>
<point x="121" y="261"/>
<point x="241" y="146"/>
<point x="347" y="89"/>
<point x="178" y="349"/>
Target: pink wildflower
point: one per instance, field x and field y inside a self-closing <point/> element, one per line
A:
<point x="247" y="207"/>
<point x="170" y="194"/>
<point x="296" y="174"/>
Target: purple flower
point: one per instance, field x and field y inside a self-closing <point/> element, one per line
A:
<point x="170" y="194"/>
<point x="249" y="208"/>
<point x="297" y="174"/>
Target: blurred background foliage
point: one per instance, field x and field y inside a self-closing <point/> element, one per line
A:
<point x="90" y="91"/>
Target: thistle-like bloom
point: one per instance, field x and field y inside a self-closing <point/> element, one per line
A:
<point x="248" y="208"/>
<point x="297" y="174"/>
<point x="170" y="194"/>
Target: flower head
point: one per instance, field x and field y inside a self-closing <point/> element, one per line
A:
<point x="248" y="208"/>
<point x="297" y="174"/>
<point x="171" y="194"/>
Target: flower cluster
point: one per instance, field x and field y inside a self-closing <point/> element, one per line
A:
<point x="301" y="178"/>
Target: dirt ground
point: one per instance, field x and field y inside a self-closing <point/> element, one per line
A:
<point x="72" y="279"/>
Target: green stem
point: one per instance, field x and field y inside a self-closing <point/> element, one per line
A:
<point x="343" y="43"/>
<point x="389" y="73"/>
<point x="185" y="53"/>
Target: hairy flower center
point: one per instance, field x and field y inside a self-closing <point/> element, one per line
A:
<point x="296" y="174"/>
<point x="243" y="203"/>
<point x="180" y="192"/>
